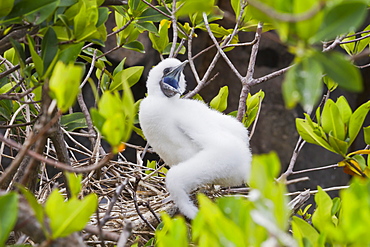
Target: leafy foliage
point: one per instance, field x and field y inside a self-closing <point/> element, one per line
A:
<point x="51" y="42"/>
<point x="237" y="221"/>
<point x="8" y="215"/>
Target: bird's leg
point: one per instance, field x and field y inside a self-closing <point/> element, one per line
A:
<point x="179" y="188"/>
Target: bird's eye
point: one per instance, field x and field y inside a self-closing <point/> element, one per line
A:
<point x="166" y="70"/>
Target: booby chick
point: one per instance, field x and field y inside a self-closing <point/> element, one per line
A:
<point x="201" y="145"/>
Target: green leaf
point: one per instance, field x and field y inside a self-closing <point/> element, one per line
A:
<point x="70" y="52"/>
<point x="355" y="47"/>
<point x="356" y="121"/>
<point x="160" y="42"/>
<point x="337" y="67"/>
<point x="109" y="104"/>
<point x="151" y="165"/>
<point x="130" y="76"/>
<point x="304" y="232"/>
<point x="330" y="84"/>
<point x="37" y="61"/>
<point x="49" y="48"/>
<point x="135" y="46"/>
<point x="173" y="231"/>
<point x="113" y="130"/>
<point x="211" y="222"/>
<point x="321" y="218"/>
<point x="103" y="16"/>
<point x="367" y="135"/>
<point x="341" y="18"/>
<point x="85" y="20"/>
<point x="19" y="51"/>
<point x="217" y="30"/>
<point x="167" y="50"/>
<point x="119" y="67"/>
<point x="344" y="109"/>
<point x="74" y="183"/>
<point x="189" y="7"/>
<point x="146" y="26"/>
<point x="73" y="121"/>
<point x="5" y="8"/>
<point x="151" y="14"/>
<point x="64" y="84"/>
<point x="23" y="8"/>
<point x="236" y="5"/>
<point x="253" y="104"/>
<point x="308" y="133"/>
<point x="331" y="121"/>
<point x="97" y="118"/>
<point x="340" y="146"/>
<point x="8" y="215"/>
<point x="71" y="216"/>
<point x="302" y="84"/>
<point x="336" y="205"/>
<point x="219" y="102"/>
<point x="307" y="28"/>
<point x="136" y="7"/>
<point x="39" y="16"/>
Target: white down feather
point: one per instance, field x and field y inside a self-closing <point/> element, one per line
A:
<point x="201" y="145"/>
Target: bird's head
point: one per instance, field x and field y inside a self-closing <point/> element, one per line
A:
<point x="167" y="78"/>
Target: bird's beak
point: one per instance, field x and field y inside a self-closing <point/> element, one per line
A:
<point x="170" y="81"/>
<point x="176" y="72"/>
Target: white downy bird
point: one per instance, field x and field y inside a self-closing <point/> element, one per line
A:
<point x="201" y="145"/>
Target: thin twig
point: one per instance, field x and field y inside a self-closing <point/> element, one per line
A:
<point x="134" y="198"/>
<point x="334" y="188"/>
<point x="247" y="80"/>
<point x="113" y="201"/>
<point x="125" y="234"/>
<point x="227" y="60"/>
<point x="315" y="169"/>
<point x="55" y="163"/>
<point x="174" y="29"/>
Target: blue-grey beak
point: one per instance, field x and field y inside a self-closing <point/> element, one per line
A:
<point x="170" y="81"/>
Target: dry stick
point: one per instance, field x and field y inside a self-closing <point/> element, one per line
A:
<point x="7" y="132"/>
<point x="82" y="103"/>
<point x="20" y="124"/>
<point x="297" y="150"/>
<point x="315" y="169"/>
<point x="174" y="29"/>
<point x="270" y="76"/>
<point x="32" y="138"/>
<point x="113" y="201"/>
<point x="227" y="60"/>
<point x="126" y="233"/>
<point x="333" y="45"/>
<point x="147" y="204"/>
<point x="112" y="236"/>
<point x="354" y="40"/>
<point x="110" y="34"/>
<point x="7" y="175"/>
<point x="134" y="198"/>
<point x="247" y="80"/>
<point x="54" y="163"/>
<point x="177" y="51"/>
<point x="12" y="69"/>
<point x="156" y="9"/>
<point x="298" y="147"/>
<point x="341" y="187"/>
<point x="191" y="58"/>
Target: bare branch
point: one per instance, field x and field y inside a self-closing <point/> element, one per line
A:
<point x="246" y="81"/>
